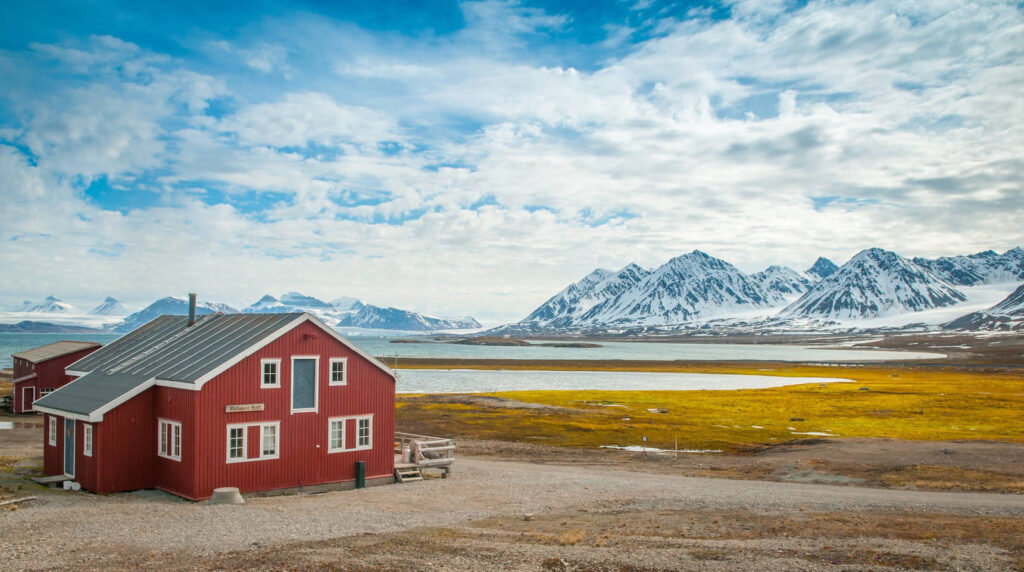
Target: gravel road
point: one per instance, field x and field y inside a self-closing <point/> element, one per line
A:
<point x="76" y="529"/>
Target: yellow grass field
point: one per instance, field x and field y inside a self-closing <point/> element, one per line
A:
<point x="894" y="402"/>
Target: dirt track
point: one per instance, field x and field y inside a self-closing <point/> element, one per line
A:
<point x="484" y="503"/>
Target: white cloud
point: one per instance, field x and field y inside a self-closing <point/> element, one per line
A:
<point x="470" y="175"/>
<point x="303" y="118"/>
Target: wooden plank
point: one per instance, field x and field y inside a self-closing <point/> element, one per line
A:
<point x="51" y="479"/>
<point x="437" y="449"/>
<point x="12" y="501"/>
<point x="435" y="462"/>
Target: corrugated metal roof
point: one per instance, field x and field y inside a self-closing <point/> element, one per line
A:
<point x="90" y="392"/>
<point x="54" y="350"/>
<point x="168" y="350"/>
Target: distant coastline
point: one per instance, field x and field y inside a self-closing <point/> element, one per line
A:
<point x="29" y="327"/>
<point x="497" y="341"/>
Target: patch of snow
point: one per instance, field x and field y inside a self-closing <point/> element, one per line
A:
<point x="979" y="298"/>
<point x="640" y="449"/>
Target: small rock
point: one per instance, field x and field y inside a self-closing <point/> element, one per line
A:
<point x="865" y="388"/>
<point x="796" y="418"/>
<point x="528" y="516"/>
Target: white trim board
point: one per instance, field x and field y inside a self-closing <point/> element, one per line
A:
<point x="97" y="415"/>
<point x="28" y="406"/>
<point x="306" y="317"/>
<point x="24" y="378"/>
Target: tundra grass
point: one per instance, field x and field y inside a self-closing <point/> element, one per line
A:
<point x="893" y="402"/>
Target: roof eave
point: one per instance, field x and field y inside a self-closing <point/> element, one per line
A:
<point x="304" y="317"/>
<point x="96" y="415"/>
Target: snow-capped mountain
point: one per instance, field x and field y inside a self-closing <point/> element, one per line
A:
<point x="874" y="283"/>
<point x="821" y="269"/>
<point x="297" y="300"/>
<point x="110" y="307"/>
<point x="1012" y="305"/>
<point x="348" y="312"/>
<point x="569" y="305"/>
<point x="54" y="305"/>
<point x="373" y="317"/>
<point x="688" y="287"/>
<point x="783" y="280"/>
<point x="267" y="305"/>
<point x="169" y="306"/>
<point x="986" y="267"/>
<point x="346" y="303"/>
<point x="1007" y="315"/>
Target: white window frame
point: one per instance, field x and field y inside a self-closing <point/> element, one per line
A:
<point x="245" y="444"/>
<point x="168" y="442"/>
<point x="344" y="371"/>
<point x="330" y="425"/>
<point x="277" y="441"/>
<point x="44" y="392"/>
<point x="277" y="374"/>
<point x="245" y="441"/>
<point x="316" y="385"/>
<point x="52" y="437"/>
<point x="87" y="439"/>
<point x="344" y="429"/>
<point x="369" y="432"/>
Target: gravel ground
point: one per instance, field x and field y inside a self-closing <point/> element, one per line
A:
<point x="86" y="531"/>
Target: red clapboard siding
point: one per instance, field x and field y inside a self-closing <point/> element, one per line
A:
<point x="125" y="443"/>
<point x="302" y="449"/>
<point x="85" y="465"/>
<point x="176" y="405"/>
<point x="49" y="375"/>
<point x="53" y="456"/>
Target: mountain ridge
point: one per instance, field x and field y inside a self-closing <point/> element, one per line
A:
<point x="875" y="282"/>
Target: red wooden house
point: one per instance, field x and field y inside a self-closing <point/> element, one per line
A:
<point x="254" y="401"/>
<point x="39" y="371"/>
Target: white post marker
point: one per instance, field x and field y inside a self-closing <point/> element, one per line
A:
<point x="645" y="445"/>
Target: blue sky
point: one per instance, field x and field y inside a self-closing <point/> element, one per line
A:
<point x="475" y="157"/>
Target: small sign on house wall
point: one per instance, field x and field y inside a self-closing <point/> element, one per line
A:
<point x="243" y="408"/>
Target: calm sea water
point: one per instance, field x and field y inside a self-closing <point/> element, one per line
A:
<point x="486" y="381"/>
<point x="635" y="351"/>
<point x="460" y="381"/>
<point x="381" y="346"/>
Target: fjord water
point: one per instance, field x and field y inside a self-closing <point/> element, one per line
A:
<point x="381" y="346"/>
<point x="487" y="381"/>
<point x="654" y="351"/>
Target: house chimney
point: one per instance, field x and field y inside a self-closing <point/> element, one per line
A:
<point x="191" y="310"/>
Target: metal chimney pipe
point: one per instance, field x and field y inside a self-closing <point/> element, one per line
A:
<point x="191" y="310"/>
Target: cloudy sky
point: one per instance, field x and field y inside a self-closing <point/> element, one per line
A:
<point x="475" y="157"/>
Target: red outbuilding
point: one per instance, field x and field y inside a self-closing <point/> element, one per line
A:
<point x="39" y="371"/>
<point x="253" y="401"/>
